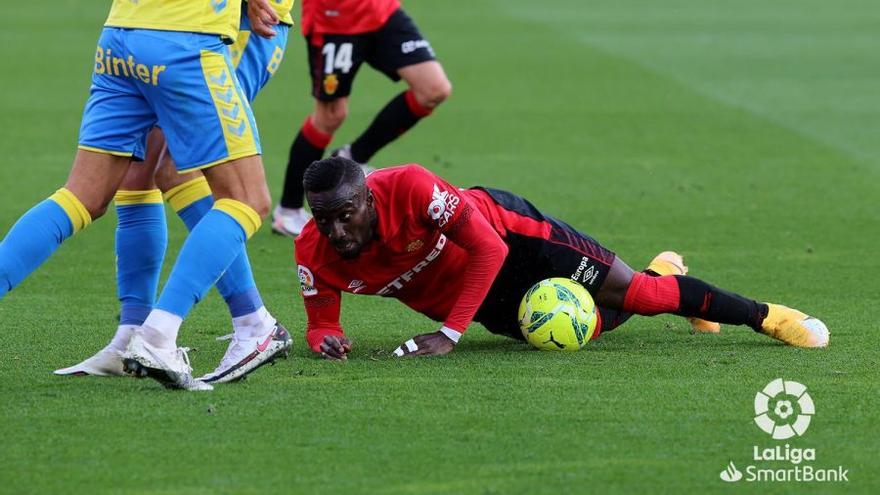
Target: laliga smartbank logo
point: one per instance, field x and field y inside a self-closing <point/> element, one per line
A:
<point x="783" y="397"/>
<point x="783" y="410"/>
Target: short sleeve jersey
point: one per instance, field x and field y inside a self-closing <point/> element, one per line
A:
<point x="345" y="16"/>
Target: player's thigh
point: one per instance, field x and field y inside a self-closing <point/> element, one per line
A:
<point x="167" y="176"/>
<point x="95" y="178"/>
<point x="141" y="174"/>
<point x="117" y="116"/>
<point x="243" y="180"/>
<point x="532" y="258"/>
<point x="427" y="79"/>
<point x="334" y="61"/>
<point x="198" y="100"/>
<point x="257" y="58"/>
<point x="399" y="44"/>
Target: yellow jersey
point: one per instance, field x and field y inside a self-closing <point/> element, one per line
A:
<point x="219" y="17"/>
<point x="283" y="8"/>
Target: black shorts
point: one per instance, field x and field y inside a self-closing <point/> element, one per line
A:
<point x="334" y="59"/>
<point x="531" y="258"/>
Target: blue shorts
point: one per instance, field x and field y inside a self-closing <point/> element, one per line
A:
<point x="256" y="58"/>
<point x="183" y="82"/>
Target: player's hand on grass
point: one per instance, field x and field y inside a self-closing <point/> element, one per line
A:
<point x="426" y="344"/>
<point x="335" y="348"/>
<point x="262" y="17"/>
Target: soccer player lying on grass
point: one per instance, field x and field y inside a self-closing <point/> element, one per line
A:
<point x="461" y="255"/>
<point x="142" y="234"/>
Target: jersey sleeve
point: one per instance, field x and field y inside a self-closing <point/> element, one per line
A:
<point x="442" y="206"/>
<point x="322" y="304"/>
<point x="434" y="202"/>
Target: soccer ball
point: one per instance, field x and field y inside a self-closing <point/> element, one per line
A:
<point x="557" y="314"/>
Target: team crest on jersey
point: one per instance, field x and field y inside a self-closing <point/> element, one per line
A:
<point x="414" y="246"/>
<point x="356" y="286"/>
<point x="442" y="206"/>
<point x="330" y="84"/>
<point x="306" y="281"/>
<point x="218" y="5"/>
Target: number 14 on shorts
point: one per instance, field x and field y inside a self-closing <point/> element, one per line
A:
<point x="337" y="57"/>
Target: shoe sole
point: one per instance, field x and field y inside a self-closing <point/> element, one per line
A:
<point x="283" y="352"/>
<point x="167" y="378"/>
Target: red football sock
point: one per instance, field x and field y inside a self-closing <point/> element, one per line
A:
<point x="315" y="136"/>
<point x="650" y="296"/>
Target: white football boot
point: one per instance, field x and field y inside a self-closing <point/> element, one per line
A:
<point x="170" y="367"/>
<point x="345" y="152"/>
<point x="244" y="355"/>
<point x="106" y="362"/>
<point x="289" y="221"/>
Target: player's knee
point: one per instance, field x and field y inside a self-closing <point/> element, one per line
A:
<point x="95" y="206"/>
<point x="262" y="204"/>
<point x="432" y="95"/>
<point x="329" y="117"/>
<point x="442" y="91"/>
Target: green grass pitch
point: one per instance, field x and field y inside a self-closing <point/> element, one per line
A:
<point x="742" y="134"/>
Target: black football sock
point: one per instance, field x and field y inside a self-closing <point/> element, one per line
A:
<point x="611" y="318"/>
<point x="307" y="147"/>
<point x="697" y="298"/>
<point x="398" y="116"/>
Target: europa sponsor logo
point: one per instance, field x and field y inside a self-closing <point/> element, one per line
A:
<point x="585" y="273"/>
<point x="783" y="409"/>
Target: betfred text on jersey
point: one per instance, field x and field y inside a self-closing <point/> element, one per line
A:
<point x="398" y="282"/>
<point x="107" y="64"/>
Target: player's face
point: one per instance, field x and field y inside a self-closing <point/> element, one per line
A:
<point x="345" y="217"/>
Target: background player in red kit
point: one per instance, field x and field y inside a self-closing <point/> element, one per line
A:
<point x="340" y="36"/>
<point x="457" y="255"/>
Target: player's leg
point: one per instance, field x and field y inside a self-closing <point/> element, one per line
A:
<point x="38" y="233"/>
<point x="672" y="263"/>
<point x="333" y="64"/>
<point x="401" y="52"/>
<point x="190" y="196"/>
<point x="214" y="131"/>
<point x="682" y="295"/>
<point x="141" y="240"/>
<point x="114" y="124"/>
<point x="257" y="336"/>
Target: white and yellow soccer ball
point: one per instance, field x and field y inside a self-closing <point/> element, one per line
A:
<point x="557" y="314"/>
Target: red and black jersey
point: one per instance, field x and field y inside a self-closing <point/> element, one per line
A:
<point x="438" y="250"/>
<point x="345" y="16"/>
<point x="434" y="251"/>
